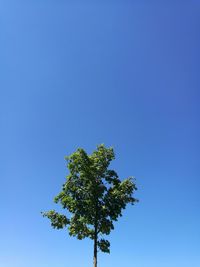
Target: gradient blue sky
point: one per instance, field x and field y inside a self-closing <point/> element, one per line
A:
<point x="80" y="73"/>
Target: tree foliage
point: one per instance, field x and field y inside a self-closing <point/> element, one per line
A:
<point x="93" y="195"/>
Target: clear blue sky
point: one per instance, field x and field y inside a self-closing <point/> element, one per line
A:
<point x="77" y="74"/>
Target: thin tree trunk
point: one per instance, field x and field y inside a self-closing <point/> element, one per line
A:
<point x="95" y="249"/>
<point x="95" y="252"/>
<point x="96" y="231"/>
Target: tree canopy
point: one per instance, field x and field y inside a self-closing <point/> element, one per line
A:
<point x="93" y="196"/>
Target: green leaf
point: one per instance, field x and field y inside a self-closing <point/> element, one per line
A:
<point x="93" y="196"/>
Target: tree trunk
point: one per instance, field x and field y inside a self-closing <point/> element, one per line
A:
<point x="95" y="231"/>
<point x="95" y="249"/>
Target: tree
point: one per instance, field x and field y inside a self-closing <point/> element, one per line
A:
<point x="94" y="196"/>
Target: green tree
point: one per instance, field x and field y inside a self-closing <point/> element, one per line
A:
<point x="94" y="196"/>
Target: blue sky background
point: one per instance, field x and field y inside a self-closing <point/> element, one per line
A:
<point x="80" y="73"/>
